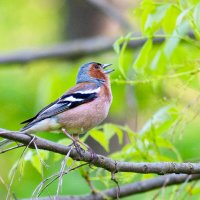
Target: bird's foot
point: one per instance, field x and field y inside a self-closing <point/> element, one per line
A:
<point x="78" y="148"/>
<point x="77" y="142"/>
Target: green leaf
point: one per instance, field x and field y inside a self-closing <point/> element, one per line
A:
<point x="32" y="156"/>
<point x="196" y="16"/>
<point x="162" y="142"/>
<point x="143" y="56"/>
<point x="124" y="57"/>
<point x="103" y="137"/>
<point x="148" y="5"/>
<point x="171" y="43"/>
<point x="70" y="161"/>
<point x="158" y="64"/>
<point x="117" y="45"/>
<point x="170" y="19"/>
<point x="182" y="15"/>
<point x="99" y="136"/>
<point x="65" y="141"/>
<point x="28" y="155"/>
<point x="161" y="59"/>
<point x="110" y="130"/>
<point x="155" y="18"/>
<point x="161" y="121"/>
<point x="36" y="163"/>
<point x="119" y="134"/>
<point x="194" y="191"/>
<point x="57" y="157"/>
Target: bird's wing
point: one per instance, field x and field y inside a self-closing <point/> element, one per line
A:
<point x="45" y="108"/>
<point x="73" y="98"/>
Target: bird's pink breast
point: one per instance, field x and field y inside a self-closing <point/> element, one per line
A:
<point x="86" y="116"/>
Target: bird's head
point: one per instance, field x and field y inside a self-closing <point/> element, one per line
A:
<point x="93" y="72"/>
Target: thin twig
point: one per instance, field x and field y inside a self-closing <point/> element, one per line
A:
<point x="11" y="148"/>
<point x="4" y="183"/>
<point x="182" y="187"/>
<point x="55" y="177"/>
<point x="39" y="157"/>
<point x="63" y="165"/>
<point x="15" y="169"/>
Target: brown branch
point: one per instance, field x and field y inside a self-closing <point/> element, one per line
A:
<point x="105" y="162"/>
<point x="68" y="50"/>
<point x="72" y="49"/>
<point x="133" y="188"/>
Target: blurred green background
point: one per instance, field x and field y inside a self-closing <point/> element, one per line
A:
<point x="155" y="87"/>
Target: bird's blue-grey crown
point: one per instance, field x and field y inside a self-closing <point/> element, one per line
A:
<point x="83" y="73"/>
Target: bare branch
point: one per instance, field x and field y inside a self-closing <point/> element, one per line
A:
<point x="104" y="162"/>
<point x="68" y="50"/>
<point x="134" y="188"/>
<point x="72" y="49"/>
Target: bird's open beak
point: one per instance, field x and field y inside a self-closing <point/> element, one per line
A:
<point x="104" y="66"/>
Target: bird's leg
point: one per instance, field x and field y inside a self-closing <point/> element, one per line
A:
<point x="93" y="154"/>
<point x="68" y="135"/>
<point x="75" y="142"/>
<point x="77" y="146"/>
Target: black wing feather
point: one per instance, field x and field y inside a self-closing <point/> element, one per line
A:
<point x="60" y="106"/>
<point x="33" y="118"/>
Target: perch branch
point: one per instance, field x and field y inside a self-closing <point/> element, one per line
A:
<point x="105" y="162"/>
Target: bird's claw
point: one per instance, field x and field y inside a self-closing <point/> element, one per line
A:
<point x="78" y="149"/>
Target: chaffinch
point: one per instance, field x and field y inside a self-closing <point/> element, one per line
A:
<point x="81" y="108"/>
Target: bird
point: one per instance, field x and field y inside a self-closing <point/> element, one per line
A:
<point x="78" y="110"/>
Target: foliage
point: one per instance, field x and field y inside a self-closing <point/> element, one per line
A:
<point x="155" y="106"/>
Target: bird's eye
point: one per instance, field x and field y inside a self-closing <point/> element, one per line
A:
<point x="96" y="66"/>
